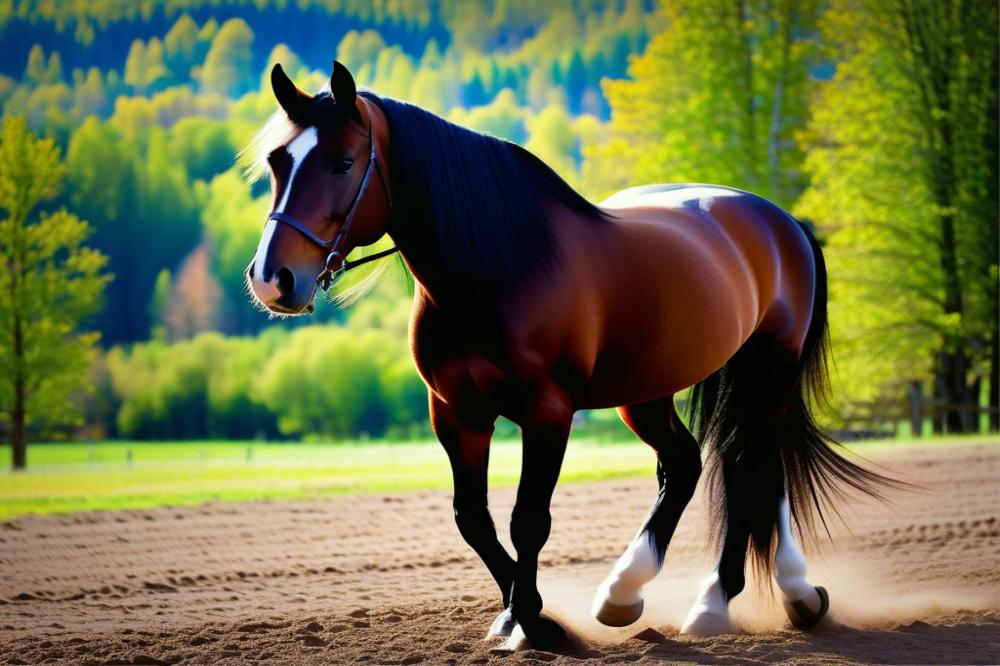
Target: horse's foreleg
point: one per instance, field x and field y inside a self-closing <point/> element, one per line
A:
<point x="545" y="434"/>
<point x="468" y="447"/>
<point x="618" y="601"/>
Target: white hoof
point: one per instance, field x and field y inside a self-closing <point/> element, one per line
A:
<point x="707" y="624"/>
<point x="514" y="642"/>
<point x="618" y="601"/>
<point x="503" y="626"/>
<point x="710" y="614"/>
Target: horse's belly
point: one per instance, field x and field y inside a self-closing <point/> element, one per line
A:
<point x="625" y="375"/>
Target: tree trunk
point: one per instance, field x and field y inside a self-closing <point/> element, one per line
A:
<point x="18" y="430"/>
<point x="774" y="138"/>
<point x="975" y="390"/>
<point x="994" y="401"/>
<point x="950" y="395"/>
<point x="749" y="120"/>
<point x="937" y="414"/>
<point x="916" y="408"/>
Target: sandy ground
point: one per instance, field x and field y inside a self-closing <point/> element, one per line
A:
<point x="387" y="579"/>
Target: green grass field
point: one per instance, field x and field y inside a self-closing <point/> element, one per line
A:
<point x="77" y="477"/>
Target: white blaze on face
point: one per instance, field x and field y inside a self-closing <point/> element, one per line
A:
<point x="299" y="149"/>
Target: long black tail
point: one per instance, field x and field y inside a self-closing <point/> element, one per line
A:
<point x="754" y="416"/>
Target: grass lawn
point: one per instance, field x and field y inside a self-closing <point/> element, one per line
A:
<point x="79" y="476"/>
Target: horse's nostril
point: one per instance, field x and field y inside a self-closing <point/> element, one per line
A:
<point x="284" y="279"/>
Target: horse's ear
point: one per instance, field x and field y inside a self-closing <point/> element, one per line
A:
<point x="343" y="89"/>
<point x="288" y="95"/>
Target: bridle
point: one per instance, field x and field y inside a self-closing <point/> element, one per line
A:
<point x="330" y="274"/>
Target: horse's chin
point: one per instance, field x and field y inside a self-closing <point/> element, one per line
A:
<point x="304" y="310"/>
<point x="287" y="308"/>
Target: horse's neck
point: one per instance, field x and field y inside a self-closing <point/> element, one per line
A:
<point x="417" y="244"/>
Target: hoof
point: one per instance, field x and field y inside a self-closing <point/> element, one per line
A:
<point x="707" y="624"/>
<point x="503" y="626"/>
<point x="807" y="613"/>
<point x="543" y="633"/>
<point x="614" y="615"/>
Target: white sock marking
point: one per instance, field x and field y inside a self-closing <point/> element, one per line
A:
<point x="711" y="599"/>
<point x="789" y="563"/>
<point x="635" y="568"/>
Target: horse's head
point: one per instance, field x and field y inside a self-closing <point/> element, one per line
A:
<point x="324" y="177"/>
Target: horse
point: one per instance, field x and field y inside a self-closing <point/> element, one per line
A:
<point x="533" y="303"/>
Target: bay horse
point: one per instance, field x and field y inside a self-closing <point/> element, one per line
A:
<point x="532" y="303"/>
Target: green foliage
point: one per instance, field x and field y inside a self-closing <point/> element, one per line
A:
<point x="318" y="380"/>
<point x="551" y="137"/>
<point x="227" y="65"/>
<point x="193" y="388"/>
<point x="145" y="69"/>
<point x="125" y="175"/>
<point x="899" y="145"/>
<point x="716" y="98"/>
<point x="49" y="283"/>
<point x="894" y="163"/>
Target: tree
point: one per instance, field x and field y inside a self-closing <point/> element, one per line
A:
<point x="502" y="117"/>
<point x="48" y="283"/>
<point x="180" y="46"/>
<point x="552" y="139"/>
<point x="159" y="305"/>
<point x="904" y="168"/>
<point x="359" y="48"/>
<point x="227" y="66"/>
<point x="717" y="98"/>
<point x="301" y="379"/>
<point x="126" y="177"/>
<point x="195" y="297"/>
<point x="145" y="70"/>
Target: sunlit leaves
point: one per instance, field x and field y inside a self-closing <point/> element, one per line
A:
<point x="49" y="281"/>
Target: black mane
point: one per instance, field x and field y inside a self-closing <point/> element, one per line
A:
<point x="486" y="199"/>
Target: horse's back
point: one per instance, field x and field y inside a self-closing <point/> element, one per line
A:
<point x="773" y="245"/>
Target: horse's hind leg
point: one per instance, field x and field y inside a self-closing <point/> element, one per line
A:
<point x="618" y="601"/>
<point x="762" y="416"/>
<point x="805" y="605"/>
<point x="748" y="472"/>
<point x="709" y="615"/>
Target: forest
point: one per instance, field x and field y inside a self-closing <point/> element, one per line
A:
<point x="874" y="121"/>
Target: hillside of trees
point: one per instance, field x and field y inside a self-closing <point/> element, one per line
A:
<point x="874" y="121"/>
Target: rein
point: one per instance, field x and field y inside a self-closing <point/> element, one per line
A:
<point x="330" y="274"/>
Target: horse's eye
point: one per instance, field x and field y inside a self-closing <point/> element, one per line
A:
<point x="340" y="167"/>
